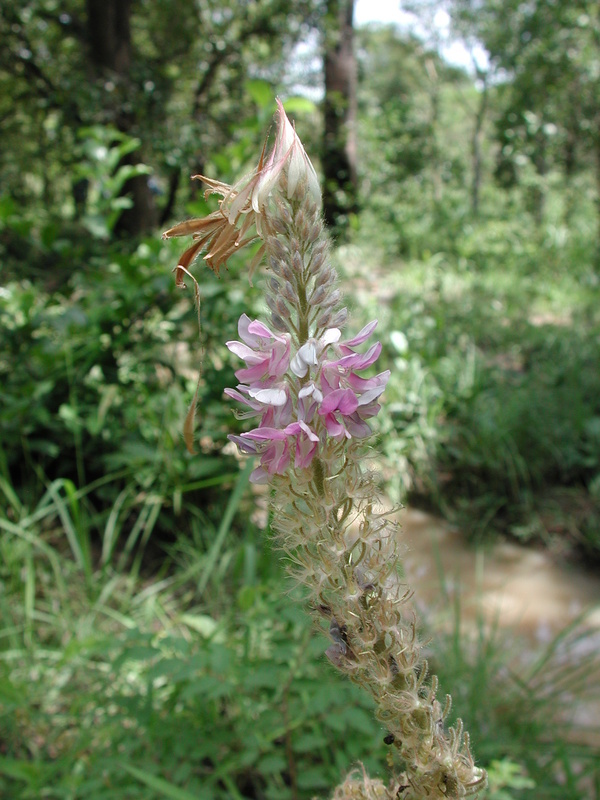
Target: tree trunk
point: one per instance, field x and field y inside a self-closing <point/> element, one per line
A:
<point x="435" y="165"/>
<point x="597" y="154"/>
<point x="109" y="37"/>
<point x="340" y="194"/>
<point x="538" y="192"/>
<point x="476" y="144"/>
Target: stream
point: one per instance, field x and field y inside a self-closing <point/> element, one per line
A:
<point x="513" y="586"/>
<point x="519" y="590"/>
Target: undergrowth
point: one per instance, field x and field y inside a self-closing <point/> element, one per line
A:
<point x="494" y="403"/>
<point x="156" y="685"/>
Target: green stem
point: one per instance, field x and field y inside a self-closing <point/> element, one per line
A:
<point x="302" y="314"/>
<point x="319" y="475"/>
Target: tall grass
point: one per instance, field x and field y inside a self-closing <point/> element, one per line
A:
<point x="197" y="677"/>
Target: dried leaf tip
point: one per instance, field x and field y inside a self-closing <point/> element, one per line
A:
<point x="240" y="218"/>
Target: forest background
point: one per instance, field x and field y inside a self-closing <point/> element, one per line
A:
<point x="148" y="644"/>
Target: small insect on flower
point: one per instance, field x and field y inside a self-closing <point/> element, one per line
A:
<point x="389" y="739"/>
<point x="338" y="634"/>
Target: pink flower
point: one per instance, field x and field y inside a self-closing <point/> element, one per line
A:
<point x="306" y="443"/>
<point x="267" y="355"/>
<point x="326" y="390"/>
<point x="272" y="414"/>
<point x="274" y="446"/>
<point x="360" y="337"/>
<point x="368" y="389"/>
<point x="349" y="399"/>
<point x="336" y="406"/>
<point x="309" y="354"/>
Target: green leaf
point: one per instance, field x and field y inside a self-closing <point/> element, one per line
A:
<point x="309" y="742"/>
<point x="313" y="778"/>
<point x="260" y="92"/>
<point x="29" y="771"/>
<point x="234" y="501"/>
<point x="202" y="623"/>
<point x="299" y="105"/>
<point x="160" y="785"/>
<point x="272" y="764"/>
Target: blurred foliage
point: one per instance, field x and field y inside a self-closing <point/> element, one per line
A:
<point x="98" y="365"/>
<point x="177" y="82"/>
<point x="495" y="400"/>
<point x="492" y="319"/>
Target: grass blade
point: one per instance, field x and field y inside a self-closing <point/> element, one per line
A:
<point x="232" y="506"/>
<point x="159" y="784"/>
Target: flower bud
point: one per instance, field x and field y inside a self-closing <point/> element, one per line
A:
<point x="338" y="320"/>
<point x="330" y="298"/>
<point x="297" y="263"/>
<point x="318" y="297"/>
<point x="276" y="248"/>
<point x="325" y="277"/>
<point x="289" y="293"/>
<point x="324" y="321"/>
<point x="281" y="308"/>
<point x="317" y="258"/>
<point x="278" y="323"/>
<point x="275" y="265"/>
<point x="287" y="273"/>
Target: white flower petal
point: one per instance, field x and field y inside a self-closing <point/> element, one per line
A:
<point x="270" y="397"/>
<point x="330" y="336"/>
<point x="308" y="353"/>
<point x="298" y="366"/>
<point x="311" y="390"/>
<point x="305" y="357"/>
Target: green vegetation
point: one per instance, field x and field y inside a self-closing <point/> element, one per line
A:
<point x="495" y="397"/>
<point x="149" y="646"/>
<point x="204" y="679"/>
<point x="492" y="311"/>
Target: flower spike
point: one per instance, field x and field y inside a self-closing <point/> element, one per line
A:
<point x="311" y="395"/>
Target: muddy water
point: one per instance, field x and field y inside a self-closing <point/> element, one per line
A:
<point x="517" y="587"/>
<point x="521" y="590"/>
